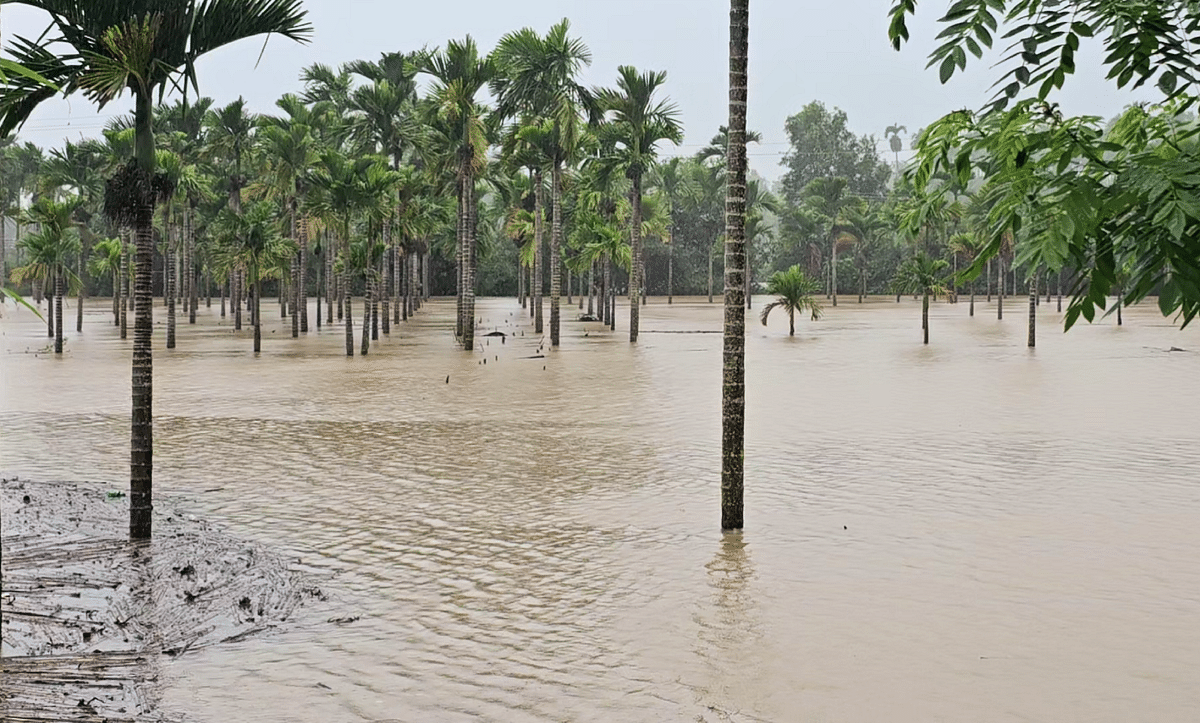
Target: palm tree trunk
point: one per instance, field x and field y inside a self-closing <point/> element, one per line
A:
<point x="58" y="310"/>
<point x="1000" y="287"/>
<point x="608" y="296"/>
<point x="116" y="296"/>
<point x="330" y="282"/>
<point x="925" y="316"/>
<point x="833" y="272"/>
<point x="235" y="300"/>
<point x="538" y="231"/>
<point x="224" y="293"/>
<point x="374" y="306"/>
<point x="79" y="272"/>
<point x="591" y="309"/>
<point x="733" y="387"/>
<point x="671" y="272"/>
<point x="791" y="322"/>
<point x="388" y="286"/>
<point x="50" y="308"/>
<point x="1120" y="303"/>
<point x="320" y="279"/>
<point x="1033" y="302"/>
<point x="570" y="278"/>
<point x="520" y="281"/>
<point x="710" y="276"/>
<point x="749" y="275"/>
<point x="1060" y="291"/>
<point x="302" y="281"/>
<point x="295" y="273"/>
<point x="126" y="282"/>
<point x="556" y="230"/>
<point x="987" y="281"/>
<point x="169" y="282"/>
<point x="344" y="305"/>
<point x="402" y="295"/>
<point x="470" y="259"/>
<point x="395" y="312"/>
<point x="193" y="276"/>
<point x="368" y="299"/>
<point x="141" y="448"/>
<point x="257" y="310"/>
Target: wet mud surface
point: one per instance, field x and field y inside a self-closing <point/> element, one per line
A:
<point x="91" y="620"/>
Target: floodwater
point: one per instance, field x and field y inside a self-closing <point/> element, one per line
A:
<point x="969" y="531"/>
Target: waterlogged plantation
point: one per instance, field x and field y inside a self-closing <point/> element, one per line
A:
<point x="431" y="354"/>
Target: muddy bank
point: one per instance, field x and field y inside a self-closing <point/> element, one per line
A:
<point x="88" y="618"/>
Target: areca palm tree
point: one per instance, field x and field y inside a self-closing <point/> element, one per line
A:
<point x="140" y="46"/>
<point x="966" y="246"/>
<point x="290" y="150"/>
<point x="106" y="260"/>
<point x="250" y="241"/>
<point x="733" y="384"/>
<point x="794" y="292"/>
<point x="77" y="166"/>
<point x="922" y="274"/>
<point x="230" y="139"/>
<point x="460" y="72"/>
<point x="344" y="192"/>
<point x="538" y="77"/>
<point x="49" y="252"/>
<point x="638" y="122"/>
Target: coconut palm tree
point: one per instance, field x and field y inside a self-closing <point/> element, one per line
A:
<point x="460" y="72"/>
<point x="923" y="275"/>
<point x="49" y="252"/>
<point x="139" y="46"/>
<point x="537" y="77"/>
<point x="733" y="386"/>
<point x="794" y="292"/>
<point x="637" y="123"/>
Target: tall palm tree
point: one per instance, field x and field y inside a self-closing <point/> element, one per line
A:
<point x="344" y="192"/>
<point x="537" y="76"/>
<point x="139" y="46"/>
<point x="231" y="131"/>
<point x="794" y="292"/>
<point x="289" y="151"/>
<point x="49" y="252"/>
<point x="922" y="274"/>
<point x="77" y="166"/>
<point x="733" y="386"/>
<point x="250" y="241"/>
<point x="460" y="72"/>
<point x="966" y="246"/>
<point x="106" y="261"/>
<point x="637" y="123"/>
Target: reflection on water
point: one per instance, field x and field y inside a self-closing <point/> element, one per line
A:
<point x="966" y="531"/>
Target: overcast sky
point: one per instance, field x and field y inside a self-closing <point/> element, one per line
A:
<point x="836" y="52"/>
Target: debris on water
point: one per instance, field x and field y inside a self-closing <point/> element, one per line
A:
<point x="344" y="620"/>
<point x="495" y="333"/>
<point x="447" y="378"/>
<point x="1175" y="348"/>
<point x="114" y="494"/>
<point x="95" y="612"/>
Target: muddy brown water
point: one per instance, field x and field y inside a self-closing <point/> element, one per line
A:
<point x="965" y="531"/>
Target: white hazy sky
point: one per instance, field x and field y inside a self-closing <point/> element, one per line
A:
<point x="836" y="52"/>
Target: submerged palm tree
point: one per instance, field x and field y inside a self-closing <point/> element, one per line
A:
<point x="250" y="242"/>
<point x="50" y="250"/>
<point x="109" y="47"/>
<point x="639" y="122"/>
<point x="106" y="261"/>
<point x="733" y="385"/>
<point x="923" y="275"/>
<point x="794" y="292"/>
